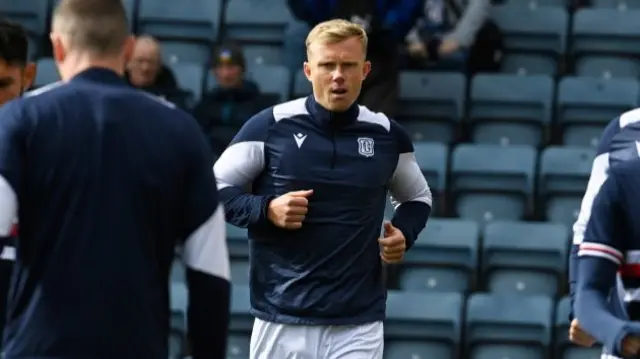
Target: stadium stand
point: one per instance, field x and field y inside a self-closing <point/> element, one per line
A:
<point x="507" y="156"/>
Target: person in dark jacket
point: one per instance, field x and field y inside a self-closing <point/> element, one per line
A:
<point x="387" y="23"/>
<point x="223" y="110"/>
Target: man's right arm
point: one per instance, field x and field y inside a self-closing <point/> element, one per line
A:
<point x="238" y="167"/>
<point x="596" y="179"/>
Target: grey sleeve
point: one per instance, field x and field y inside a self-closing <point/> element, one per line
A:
<point x="475" y="14"/>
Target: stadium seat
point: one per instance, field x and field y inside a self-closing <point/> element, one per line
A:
<point x="512" y="326"/>
<point x="240" y="271"/>
<point x="435" y="101"/>
<point x="521" y="64"/>
<point x="187" y="31"/>
<point x="426" y="321"/>
<point x="241" y="322"/>
<point x="32" y="15"/>
<point x="432" y="159"/>
<point x="621" y="5"/>
<point x="443" y="258"/>
<point x="178" y="298"/>
<point x="492" y="182"/>
<point x="238" y="242"/>
<point x="272" y="80"/>
<point x="565" y="170"/>
<point x="238" y="347"/>
<point x="257" y="55"/>
<point x="524" y="257"/>
<point x="178" y="271"/>
<point x="46" y="72"/>
<point x="532" y="4"/>
<point x="510" y="109"/>
<point x="544" y="31"/>
<point x="608" y="67"/>
<point x="256" y="21"/>
<point x="301" y="85"/>
<point x="398" y="349"/>
<point x="587" y="104"/>
<point x="593" y="33"/>
<point x="563" y="176"/>
<point x="190" y="77"/>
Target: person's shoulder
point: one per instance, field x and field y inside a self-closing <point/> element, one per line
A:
<point x="629" y="118"/>
<point x="54" y="90"/>
<point x="395" y="130"/>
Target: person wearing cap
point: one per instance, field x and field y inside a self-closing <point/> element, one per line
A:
<point x="233" y="100"/>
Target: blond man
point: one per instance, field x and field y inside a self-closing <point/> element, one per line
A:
<point x="309" y="179"/>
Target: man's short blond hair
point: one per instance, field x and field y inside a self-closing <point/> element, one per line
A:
<point x="96" y="26"/>
<point x="335" y="31"/>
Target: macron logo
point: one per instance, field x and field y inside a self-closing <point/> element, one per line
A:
<point x="299" y="138"/>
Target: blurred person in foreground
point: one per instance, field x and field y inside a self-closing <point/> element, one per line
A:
<point x="618" y="144"/>
<point x="104" y="179"/>
<point x="387" y="23"/>
<point x="309" y="179"/>
<point x="222" y="111"/>
<point x="16" y="75"/>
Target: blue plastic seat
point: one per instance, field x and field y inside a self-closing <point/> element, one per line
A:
<point x="492" y="182"/>
<point x="257" y="55"/>
<point x="32" y="15"/>
<point x="444" y="258"/>
<point x="301" y="85"/>
<point x="533" y="4"/>
<point x="240" y="271"/>
<point x="593" y="33"/>
<point x="178" y="301"/>
<point x="427" y="318"/>
<point x="186" y="30"/>
<point x="435" y="100"/>
<point x="272" y="80"/>
<point x="256" y="21"/>
<point x="399" y="349"/>
<point x="190" y="77"/>
<point x="241" y="322"/>
<point x="238" y="242"/>
<point x="545" y="28"/>
<point x="179" y="52"/>
<point x="525" y="64"/>
<point x="524" y="257"/>
<point x="47" y="72"/>
<point x="510" y="109"/>
<point x="608" y="67"/>
<point x="586" y="102"/>
<point x="238" y="347"/>
<point x="432" y="159"/>
<point x="565" y="170"/>
<point x="621" y="5"/>
<point x="515" y="324"/>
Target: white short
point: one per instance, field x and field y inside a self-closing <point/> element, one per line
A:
<point x="608" y="356"/>
<point x="283" y="341"/>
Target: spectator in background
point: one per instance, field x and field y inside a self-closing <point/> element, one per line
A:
<point x="444" y="34"/>
<point x="387" y="23"/>
<point x="234" y="99"/>
<point x="146" y="71"/>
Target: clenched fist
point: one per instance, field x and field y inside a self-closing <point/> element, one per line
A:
<point x="631" y="346"/>
<point x="579" y="336"/>
<point x="289" y="210"/>
<point x="392" y="244"/>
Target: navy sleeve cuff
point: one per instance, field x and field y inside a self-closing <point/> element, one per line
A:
<point x="411" y="218"/>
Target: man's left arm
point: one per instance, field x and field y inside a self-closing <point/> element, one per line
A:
<point x="402" y="16"/>
<point x="13" y="126"/>
<point x="410" y="193"/>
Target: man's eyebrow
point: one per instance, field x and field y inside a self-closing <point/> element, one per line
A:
<point x="6" y="80"/>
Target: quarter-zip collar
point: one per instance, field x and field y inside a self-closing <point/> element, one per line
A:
<point x="326" y="118"/>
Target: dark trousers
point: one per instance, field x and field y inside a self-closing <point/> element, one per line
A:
<point x="6" y="268"/>
<point x="380" y="89"/>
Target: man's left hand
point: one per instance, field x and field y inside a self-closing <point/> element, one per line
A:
<point x="392" y="244"/>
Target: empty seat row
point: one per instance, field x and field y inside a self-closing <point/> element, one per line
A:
<point x="456" y="255"/>
<point x="420" y="325"/>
